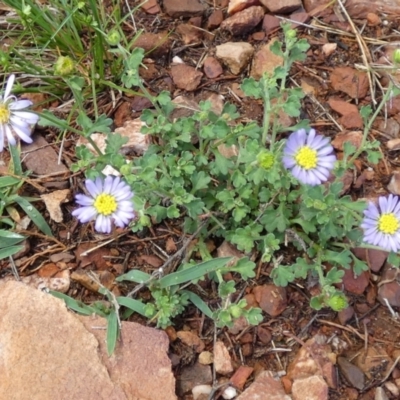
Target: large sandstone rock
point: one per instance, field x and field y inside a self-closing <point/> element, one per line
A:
<point x="49" y="353"/>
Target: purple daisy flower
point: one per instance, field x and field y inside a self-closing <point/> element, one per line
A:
<point x="309" y="156"/>
<point x="382" y="225"/>
<point x="14" y="119"/>
<point x="109" y="200"/>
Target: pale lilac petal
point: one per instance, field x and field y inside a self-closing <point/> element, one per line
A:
<point x="22" y="130"/>
<point x="103" y="224"/>
<point x="108" y="184"/>
<point x="92" y="188"/>
<point x="20" y="104"/>
<point x="84" y="200"/>
<point x="29" y="117"/>
<point x="9" y="85"/>
<point x="85" y="214"/>
<point x="1" y="138"/>
<point x="10" y="136"/>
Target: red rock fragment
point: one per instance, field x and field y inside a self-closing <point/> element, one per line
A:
<point x="350" y="81"/>
<point x="264" y="335"/>
<point x="239" y="378"/>
<point x="215" y="19"/>
<point x="374" y="258"/>
<point x="270" y="23"/>
<point x="342" y="107"/>
<point x="346" y="315"/>
<point x="373" y="19"/>
<point x="272" y="299"/>
<point x="314" y="386"/>
<point x="352" y="121"/>
<point x="299" y="18"/>
<point x="212" y="68"/>
<point x="183" y="8"/>
<point x="351" y="117"/>
<point x="355" y="284"/>
<point x="391" y="289"/>
<point x="186" y="77"/>
<point x="151" y="7"/>
<point x="154" y="44"/>
<point x="354" y="138"/>
<point x="258" y="36"/>
<point x="243" y="21"/>
<point x="239" y="5"/>
<point x="265" y="382"/>
<point x="281" y="6"/>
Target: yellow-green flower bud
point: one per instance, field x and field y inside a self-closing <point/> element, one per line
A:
<point x="236" y="311"/>
<point x="113" y="38"/>
<point x="338" y="302"/>
<point x="396" y="56"/>
<point x="291" y="34"/>
<point x="265" y="159"/>
<point x="64" y="66"/>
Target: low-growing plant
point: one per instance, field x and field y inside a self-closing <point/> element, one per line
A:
<point x="273" y="192"/>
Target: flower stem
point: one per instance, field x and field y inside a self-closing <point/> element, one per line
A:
<point x="368" y="126"/>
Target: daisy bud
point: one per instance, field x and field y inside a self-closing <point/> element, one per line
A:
<point x="64" y="66"/>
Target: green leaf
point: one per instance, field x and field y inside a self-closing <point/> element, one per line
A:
<point x="360" y="266"/>
<point x="343" y="258"/>
<point x="34" y="215"/>
<point x="9" y="251"/>
<point x="251" y="88"/>
<point x="200" y="181"/>
<point x="245" y="237"/>
<point x="199" y="303"/>
<point x="283" y="275"/>
<point x="135" y="275"/>
<point x="112" y="331"/>
<point x="16" y="160"/>
<point x="73" y="304"/>
<point x="317" y="302"/>
<point x="334" y="276"/>
<point x="8" y="238"/>
<point x="393" y="259"/>
<point x="244" y="267"/>
<point x="115" y="142"/>
<point x="254" y="316"/>
<point x="134" y="305"/>
<point x="195" y="272"/>
<point x="6" y="181"/>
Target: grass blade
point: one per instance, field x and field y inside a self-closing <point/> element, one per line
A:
<point x="9" y="251"/>
<point x="192" y="273"/>
<point x="132" y="304"/>
<point x="34" y="215"/>
<point x="73" y="304"/>
<point x="134" y="276"/>
<point x="112" y="332"/>
<point x="199" y="303"/>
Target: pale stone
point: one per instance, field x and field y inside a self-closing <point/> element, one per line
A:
<point x="235" y="55"/>
<point x="222" y="359"/>
<point x="50" y="353"/>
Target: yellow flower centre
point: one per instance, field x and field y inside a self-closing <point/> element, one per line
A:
<point x="306" y="157"/>
<point x="4" y="114"/>
<point x="388" y="223"/>
<point x="105" y="204"/>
